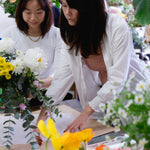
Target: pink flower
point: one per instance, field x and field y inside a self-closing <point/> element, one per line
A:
<point x="36" y="83"/>
<point x="22" y="106"/>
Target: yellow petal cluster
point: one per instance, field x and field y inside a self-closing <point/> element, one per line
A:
<point x="67" y="141"/>
<point x="5" y="68"/>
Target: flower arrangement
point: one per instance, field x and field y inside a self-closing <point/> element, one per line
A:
<point x="130" y="112"/>
<point x="67" y="141"/>
<point x="18" y="74"/>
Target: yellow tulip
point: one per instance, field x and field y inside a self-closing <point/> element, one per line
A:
<point x="85" y="135"/>
<point x="68" y="141"/>
<point x="43" y="129"/>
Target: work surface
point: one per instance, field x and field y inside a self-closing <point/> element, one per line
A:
<point x="67" y="111"/>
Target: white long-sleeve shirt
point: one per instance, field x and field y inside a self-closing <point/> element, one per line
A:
<point x="120" y="60"/>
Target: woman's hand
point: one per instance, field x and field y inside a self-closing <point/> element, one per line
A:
<point x="81" y="120"/>
<point x="42" y="116"/>
<point x="46" y="82"/>
<point x="38" y="136"/>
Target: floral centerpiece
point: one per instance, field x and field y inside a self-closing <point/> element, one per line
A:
<point x="18" y="73"/>
<point x="130" y="112"/>
<point x="67" y="141"/>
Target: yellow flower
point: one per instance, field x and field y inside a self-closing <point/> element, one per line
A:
<point x="123" y="15"/>
<point x="4" y="72"/>
<point x="8" y="76"/>
<point x="1" y="67"/>
<point x="68" y="141"/>
<point x="2" y="60"/>
<point x="85" y="135"/>
<point x="9" y="66"/>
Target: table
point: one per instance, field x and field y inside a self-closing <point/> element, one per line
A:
<point x="97" y="128"/>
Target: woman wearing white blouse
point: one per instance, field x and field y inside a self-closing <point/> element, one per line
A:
<point x="97" y="54"/>
<point x="34" y="28"/>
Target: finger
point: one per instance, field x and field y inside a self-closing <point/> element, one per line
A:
<point x="39" y="140"/>
<point x="81" y="127"/>
<point x="68" y="128"/>
<point x="72" y="128"/>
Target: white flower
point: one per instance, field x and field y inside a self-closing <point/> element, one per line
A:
<point x="109" y="109"/>
<point x="116" y="122"/>
<point x="139" y="99"/>
<point x="108" y="138"/>
<point x="36" y="60"/>
<point x="148" y="121"/>
<point x="7" y="45"/>
<point x="102" y="106"/>
<point x="18" y="52"/>
<point x="129" y="103"/>
<point x="122" y="113"/>
<point x="18" y="65"/>
<point x="142" y="142"/>
<point x="117" y="128"/>
<point x="140" y="86"/>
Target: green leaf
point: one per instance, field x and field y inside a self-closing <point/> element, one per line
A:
<point x="8" y="137"/>
<point x="142" y="13"/>
<point x="26" y="124"/>
<point x="16" y="115"/>
<point x="30" y="139"/>
<point x="28" y="134"/>
<point x="34" y="145"/>
<point x="30" y="117"/>
<point x="8" y="141"/>
<point x="8" y="121"/>
<point x="32" y="127"/>
<point x="9" y="128"/>
<point x="8" y="146"/>
<point x="26" y="128"/>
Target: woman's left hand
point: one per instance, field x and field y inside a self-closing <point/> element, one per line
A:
<point x="81" y="120"/>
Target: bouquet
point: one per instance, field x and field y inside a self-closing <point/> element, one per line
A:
<point x="130" y="112"/>
<point x="18" y="72"/>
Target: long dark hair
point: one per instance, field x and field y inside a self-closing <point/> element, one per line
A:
<point x="87" y="35"/>
<point x="46" y="24"/>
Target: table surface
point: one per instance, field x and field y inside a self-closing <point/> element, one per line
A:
<point x="99" y="129"/>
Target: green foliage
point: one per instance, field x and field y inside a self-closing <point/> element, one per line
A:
<point x="10" y="7"/>
<point x="56" y="2"/>
<point x="15" y="91"/>
<point x="115" y="2"/>
<point x="142" y="13"/>
<point x="131" y="112"/>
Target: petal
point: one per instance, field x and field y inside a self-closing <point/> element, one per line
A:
<point x="85" y="135"/>
<point x="42" y="128"/>
<point x="51" y="128"/>
<point x="56" y="142"/>
<point x="70" y="141"/>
